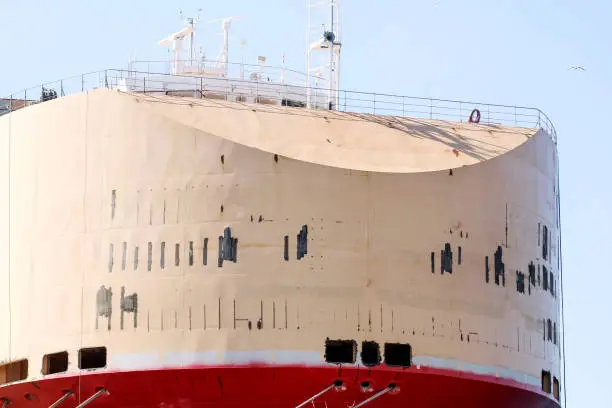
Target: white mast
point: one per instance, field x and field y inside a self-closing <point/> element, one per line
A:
<point x="324" y="37"/>
<point x="175" y="42"/>
<point x="222" y="59"/>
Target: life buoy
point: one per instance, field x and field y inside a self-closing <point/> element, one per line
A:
<point x="475" y="116"/>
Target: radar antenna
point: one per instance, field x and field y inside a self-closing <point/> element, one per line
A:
<point x="175" y="41"/>
<point x="327" y="15"/>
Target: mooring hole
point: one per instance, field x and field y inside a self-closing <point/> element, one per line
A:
<point x="546" y="382"/>
<point x="370" y="353"/>
<point x="55" y="363"/>
<point x="340" y="351"/>
<point x="398" y="354"/>
<point x="93" y="357"/>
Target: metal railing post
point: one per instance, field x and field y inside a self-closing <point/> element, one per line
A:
<point x="82" y="82"/>
<point x="25" y="98"/>
<point x="201" y="88"/>
<point x="106" y="78"/>
<point x="144" y="85"/>
<point x="11" y="103"/>
<point x="375" y="104"/>
<point x="430" y="108"/>
<point x="403" y="106"/>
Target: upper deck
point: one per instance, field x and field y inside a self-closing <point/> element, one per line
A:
<point x="437" y="118"/>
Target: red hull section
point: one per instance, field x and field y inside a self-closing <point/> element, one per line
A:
<point x="286" y="387"/>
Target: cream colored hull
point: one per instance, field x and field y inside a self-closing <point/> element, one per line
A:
<point x="94" y="176"/>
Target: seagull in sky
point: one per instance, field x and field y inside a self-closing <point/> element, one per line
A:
<point x="577" y="68"/>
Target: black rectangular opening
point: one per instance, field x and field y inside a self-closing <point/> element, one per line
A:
<point x="370" y="353"/>
<point x="136" y="258"/>
<point x="286" y="250"/>
<point x="93" y="357"/>
<point x="546" y="382"/>
<point x="340" y="351"/>
<point x="190" y="253"/>
<point x="110" y="257"/>
<point x="556" y="388"/>
<point x="55" y="363"/>
<point x="13" y="371"/>
<point x="398" y="354"/>
<point x="123" y="255"/>
<point x="162" y="257"/>
<point x="205" y="252"/>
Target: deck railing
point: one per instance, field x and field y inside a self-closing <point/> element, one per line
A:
<point x="263" y="91"/>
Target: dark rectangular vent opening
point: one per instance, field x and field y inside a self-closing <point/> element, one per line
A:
<point x="94" y="357"/>
<point x="398" y="354"/>
<point x="340" y="351"/>
<point x="55" y="363"/>
<point x="14" y="371"/>
<point x="556" y="388"/>
<point x="546" y="382"/>
<point x="370" y="353"/>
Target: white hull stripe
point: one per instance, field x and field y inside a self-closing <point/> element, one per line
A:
<point x="152" y="361"/>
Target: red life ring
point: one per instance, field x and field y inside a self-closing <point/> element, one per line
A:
<point x="476" y="119"/>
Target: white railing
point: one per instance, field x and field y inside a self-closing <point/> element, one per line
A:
<point x="272" y="92"/>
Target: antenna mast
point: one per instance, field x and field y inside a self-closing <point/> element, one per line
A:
<point x="327" y="14"/>
<point x="175" y="42"/>
<point x="223" y="58"/>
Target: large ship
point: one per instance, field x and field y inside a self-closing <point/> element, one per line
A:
<point x="240" y="235"/>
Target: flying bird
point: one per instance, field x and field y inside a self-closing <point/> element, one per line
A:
<point x="577" y="68"/>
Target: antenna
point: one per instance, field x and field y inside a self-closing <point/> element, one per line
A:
<point x="224" y="54"/>
<point x="175" y="41"/>
<point x="326" y="37"/>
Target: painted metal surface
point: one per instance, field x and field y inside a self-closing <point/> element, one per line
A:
<point x="265" y="386"/>
<point x="169" y="229"/>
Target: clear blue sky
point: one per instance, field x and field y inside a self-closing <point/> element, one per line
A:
<point x="502" y="51"/>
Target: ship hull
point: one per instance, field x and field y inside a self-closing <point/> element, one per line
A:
<point x="259" y="385"/>
<point x="196" y="231"/>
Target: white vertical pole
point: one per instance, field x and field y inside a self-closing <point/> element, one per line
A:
<point x="308" y="4"/>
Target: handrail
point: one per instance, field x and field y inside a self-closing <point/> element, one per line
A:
<point x="256" y="91"/>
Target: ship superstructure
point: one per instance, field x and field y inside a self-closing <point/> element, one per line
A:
<point x="196" y="238"/>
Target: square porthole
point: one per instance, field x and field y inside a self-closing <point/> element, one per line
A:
<point x="556" y="388"/>
<point x="398" y="354"/>
<point x="546" y="382"/>
<point x="340" y="351"/>
<point x="55" y="363"/>
<point x="370" y="353"/>
<point x="93" y="357"/>
<point x="13" y="371"/>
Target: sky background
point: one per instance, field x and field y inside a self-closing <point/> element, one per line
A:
<point x="502" y="51"/>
